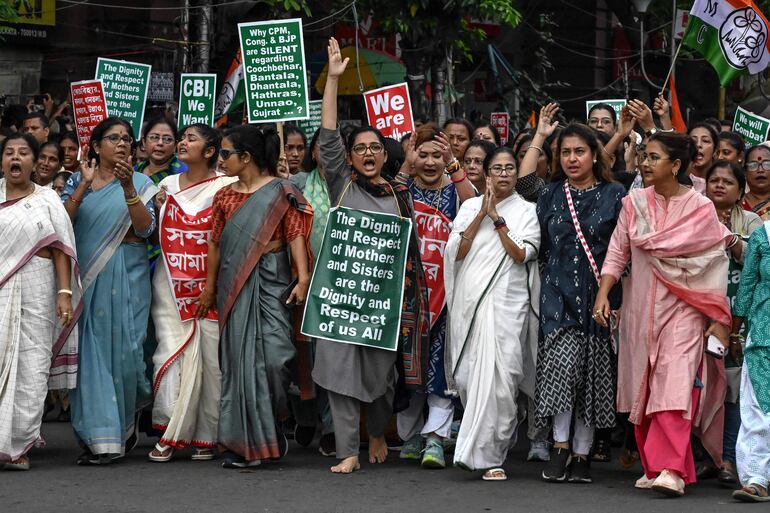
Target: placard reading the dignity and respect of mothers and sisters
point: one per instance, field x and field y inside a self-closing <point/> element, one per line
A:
<point x="357" y="288"/>
<point x="274" y="70"/>
<point x="125" y="89"/>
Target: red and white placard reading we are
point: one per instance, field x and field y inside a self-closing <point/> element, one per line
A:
<point x="88" y="106"/>
<point x="389" y="110"/>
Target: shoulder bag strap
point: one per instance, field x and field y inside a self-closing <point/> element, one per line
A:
<point x="580" y="235"/>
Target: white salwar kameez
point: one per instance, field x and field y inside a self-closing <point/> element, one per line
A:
<point x="187" y="379"/>
<point x="491" y="329"/>
<point x="35" y="353"/>
<point x="752" y="449"/>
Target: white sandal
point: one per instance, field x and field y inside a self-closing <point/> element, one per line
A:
<point x="203" y="454"/>
<point x="162" y="450"/>
<point x="495" y="474"/>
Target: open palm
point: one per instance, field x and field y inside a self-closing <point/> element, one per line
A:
<point x="337" y="65"/>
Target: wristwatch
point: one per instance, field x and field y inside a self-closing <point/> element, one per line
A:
<point x="499" y="222"/>
<point x="652" y="131"/>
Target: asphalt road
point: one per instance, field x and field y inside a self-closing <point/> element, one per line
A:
<point x="302" y="483"/>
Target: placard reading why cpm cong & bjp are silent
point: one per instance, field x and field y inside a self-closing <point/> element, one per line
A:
<point x="357" y="288"/>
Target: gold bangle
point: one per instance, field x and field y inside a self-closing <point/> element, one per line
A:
<point x="73" y="200"/>
<point x="133" y="201"/>
<point x="538" y="148"/>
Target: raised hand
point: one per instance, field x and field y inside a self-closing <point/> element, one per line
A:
<point x="124" y="172"/>
<point x="337" y="65"/>
<point x="442" y="142"/>
<point x="660" y="106"/>
<point x="88" y="170"/>
<point x="642" y="113"/>
<point x="626" y="122"/>
<point x="160" y="198"/>
<point x="547" y="122"/>
<point x="410" y="157"/>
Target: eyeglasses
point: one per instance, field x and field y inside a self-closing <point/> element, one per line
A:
<point x="225" y="154"/>
<point x="153" y="138"/>
<point x="360" y="149"/>
<point x="600" y="121"/>
<point x="116" y="139"/>
<point x="754" y="165"/>
<point x="473" y="160"/>
<point x="498" y="169"/>
<point x="654" y="159"/>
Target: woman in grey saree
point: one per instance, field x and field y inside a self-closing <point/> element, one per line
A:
<point x="257" y="221"/>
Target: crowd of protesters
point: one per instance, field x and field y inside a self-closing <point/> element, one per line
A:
<point x="607" y="282"/>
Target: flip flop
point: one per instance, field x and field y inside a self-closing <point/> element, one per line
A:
<point x="494" y="474"/>
<point x="162" y="450"/>
<point x="751" y="493"/>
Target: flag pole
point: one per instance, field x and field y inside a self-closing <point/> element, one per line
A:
<point x="671" y="68"/>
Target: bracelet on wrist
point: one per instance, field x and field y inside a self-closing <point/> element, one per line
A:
<point x="133" y="201"/>
<point x="538" y="148"/>
<point x="75" y="201"/>
<point x="462" y="178"/>
<point x="68" y="292"/>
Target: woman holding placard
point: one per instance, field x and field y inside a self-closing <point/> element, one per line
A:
<point x="370" y="373"/>
<point x="491" y="280"/>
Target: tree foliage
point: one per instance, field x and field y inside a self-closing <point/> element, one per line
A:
<point x="431" y="31"/>
<point x="7" y="12"/>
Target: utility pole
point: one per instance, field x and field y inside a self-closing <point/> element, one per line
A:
<point x="185" y="26"/>
<point x="204" y="37"/>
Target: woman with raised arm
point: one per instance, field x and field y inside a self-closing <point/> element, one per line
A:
<point x="355" y="181"/>
<point x="37" y="259"/>
<point x="113" y="215"/>
<point x="437" y="192"/>
<point x="674" y="300"/>
<point x="491" y="280"/>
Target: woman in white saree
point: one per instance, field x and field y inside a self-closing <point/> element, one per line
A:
<point x="187" y="380"/>
<point x="490" y="277"/>
<point x="37" y="259"/>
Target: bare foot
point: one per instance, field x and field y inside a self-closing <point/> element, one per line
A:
<point x="378" y="449"/>
<point x="346" y="466"/>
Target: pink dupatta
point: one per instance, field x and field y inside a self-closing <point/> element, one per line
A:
<point x="689" y="258"/>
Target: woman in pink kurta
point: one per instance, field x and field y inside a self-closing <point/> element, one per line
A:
<point x="672" y="237"/>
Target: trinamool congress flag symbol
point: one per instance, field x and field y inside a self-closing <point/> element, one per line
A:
<point x="731" y="34"/>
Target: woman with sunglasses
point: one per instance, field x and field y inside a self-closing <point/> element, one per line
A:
<point x="355" y="181"/>
<point x="259" y="242"/>
<point x="491" y="278"/>
<point x="186" y="382"/>
<point x="113" y="214"/>
<point x="757" y="166"/>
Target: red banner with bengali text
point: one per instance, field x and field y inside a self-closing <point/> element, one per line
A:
<point x="433" y="231"/>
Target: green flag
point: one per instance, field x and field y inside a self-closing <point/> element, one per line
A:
<point x="732" y="35"/>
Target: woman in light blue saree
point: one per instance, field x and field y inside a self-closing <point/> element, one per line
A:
<point x="111" y="208"/>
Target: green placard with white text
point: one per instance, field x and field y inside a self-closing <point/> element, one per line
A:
<point x="313" y="122"/>
<point x="274" y="70"/>
<point x="197" y="96"/>
<point x="753" y="128"/>
<point x="617" y="104"/>
<point x="357" y="289"/>
<point x="125" y="89"/>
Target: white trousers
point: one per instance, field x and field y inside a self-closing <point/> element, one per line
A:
<point x="753" y="447"/>
<point x="411" y="422"/>
<point x="583" y="437"/>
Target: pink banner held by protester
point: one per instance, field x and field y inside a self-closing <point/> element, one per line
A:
<point x="89" y="107"/>
<point x="185" y="251"/>
<point x="433" y="230"/>
<point x="389" y="110"/>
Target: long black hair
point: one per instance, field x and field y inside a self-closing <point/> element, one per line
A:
<point x="211" y="136"/>
<point x="262" y="144"/>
